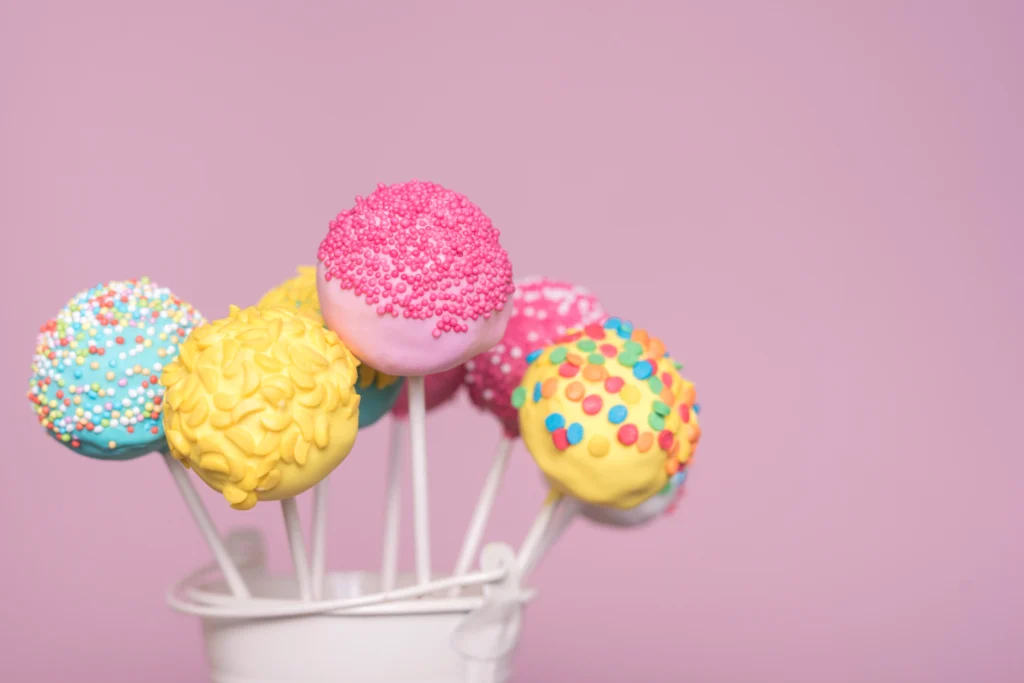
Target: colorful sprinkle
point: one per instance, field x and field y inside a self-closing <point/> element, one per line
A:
<point x="536" y="392"/>
<point x="627" y="435"/>
<point x="656" y="385"/>
<point x="586" y="345"/>
<point x="554" y="421"/>
<point x="568" y="370"/>
<point x="518" y="397"/>
<point x="645" y="442"/>
<point x="609" y="351"/>
<point x="549" y="388"/>
<point x="643" y="370"/>
<point x="594" y="373"/>
<point x="656" y="421"/>
<point x="560" y="439"/>
<point x="612" y="323"/>
<point x="613" y="384"/>
<point x="665" y="440"/>
<point x="617" y="414"/>
<point x="592" y="404"/>
<point x="574" y="391"/>
<point x="627" y="359"/>
<point x="533" y="355"/>
<point x="574" y="359"/>
<point x="596" y="359"/>
<point x="574" y="434"/>
<point x="558" y="355"/>
<point x="598" y="446"/>
<point x="684" y="411"/>
<point x="630" y="394"/>
<point x="633" y="348"/>
<point x="661" y="409"/>
<point x="594" y="331"/>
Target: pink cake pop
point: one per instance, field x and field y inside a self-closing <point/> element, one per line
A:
<point x="440" y="388"/>
<point x="414" y="280"/>
<point x="543" y="310"/>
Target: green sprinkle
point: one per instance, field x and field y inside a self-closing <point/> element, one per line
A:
<point x="558" y="355"/>
<point x="656" y="421"/>
<point x="628" y="359"/>
<point x="596" y="359"/>
<point x="586" y="345"/>
<point x="634" y="348"/>
<point x="655" y="384"/>
<point x="661" y="409"/>
<point x="518" y="397"/>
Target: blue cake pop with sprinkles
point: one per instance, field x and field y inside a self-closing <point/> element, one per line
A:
<point x="94" y="384"/>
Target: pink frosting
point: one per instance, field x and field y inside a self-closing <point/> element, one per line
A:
<point x="543" y="309"/>
<point x="440" y="388"/>
<point x="413" y="279"/>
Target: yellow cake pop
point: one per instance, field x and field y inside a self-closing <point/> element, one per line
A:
<point x="606" y="415"/>
<point x="298" y="293"/>
<point x="261" y="404"/>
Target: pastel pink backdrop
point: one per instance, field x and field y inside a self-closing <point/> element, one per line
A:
<point x="817" y="205"/>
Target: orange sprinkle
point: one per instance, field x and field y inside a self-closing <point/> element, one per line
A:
<point x="688" y="395"/>
<point x="656" y="347"/>
<point x="550" y="386"/>
<point x="594" y="373"/>
<point x="575" y="359"/>
<point x="641" y="337"/>
<point x="694" y="435"/>
<point x="667" y="397"/>
<point x="574" y="391"/>
<point x="671" y="466"/>
<point x="645" y="442"/>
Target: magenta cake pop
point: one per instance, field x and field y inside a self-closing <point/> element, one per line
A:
<point x="543" y="310"/>
<point x="439" y="388"/>
<point x="414" y="280"/>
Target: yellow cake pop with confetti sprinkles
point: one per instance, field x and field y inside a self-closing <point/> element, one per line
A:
<point x="607" y="416"/>
<point x="261" y="404"/>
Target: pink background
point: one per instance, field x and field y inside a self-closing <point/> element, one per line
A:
<point x="817" y="205"/>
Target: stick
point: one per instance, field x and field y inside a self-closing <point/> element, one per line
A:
<point x="560" y="521"/>
<point x="389" y="564"/>
<point x="319" y="542"/>
<point x="293" y="528"/>
<point x="206" y="527"/>
<point x="420" y="505"/>
<point x="535" y="535"/>
<point x="482" y="512"/>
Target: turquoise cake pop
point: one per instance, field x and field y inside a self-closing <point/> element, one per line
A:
<point x="95" y="376"/>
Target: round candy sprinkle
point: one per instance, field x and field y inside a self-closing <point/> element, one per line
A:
<point x="643" y="369"/>
<point x="613" y="385"/>
<point x="518" y="397"/>
<point x="594" y="331"/>
<point x="656" y="421"/>
<point x="554" y="421"/>
<point x="568" y="370"/>
<point x="549" y="388"/>
<point x="574" y="391"/>
<point x="558" y="355"/>
<point x="586" y="345"/>
<point x="627" y="435"/>
<point x="598" y="446"/>
<point x="665" y="440"/>
<point x="574" y="434"/>
<point x="592" y="404"/>
<point x="656" y="385"/>
<point x="560" y="439"/>
<point x="627" y="359"/>
<point x="661" y="408"/>
<point x="644" y="443"/>
<point x="596" y="359"/>
<point x="117" y="413"/>
<point x="617" y="414"/>
<point x="630" y="394"/>
<point x="533" y="355"/>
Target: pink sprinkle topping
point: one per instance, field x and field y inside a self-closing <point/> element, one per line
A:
<point x="420" y="251"/>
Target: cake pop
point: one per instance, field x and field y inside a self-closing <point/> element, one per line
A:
<point x="261" y="404"/>
<point x="542" y="310"/>
<point x="95" y="383"/>
<point x="606" y="414"/>
<point x="378" y="391"/>
<point x="96" y="366"/>
<point x="414" y="280"/>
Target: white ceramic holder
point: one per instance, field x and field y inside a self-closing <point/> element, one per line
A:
<point x="415" y="633"/>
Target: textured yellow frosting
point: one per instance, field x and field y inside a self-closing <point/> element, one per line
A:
<point x="261" y="404"/>
<point x="607" y="415"/>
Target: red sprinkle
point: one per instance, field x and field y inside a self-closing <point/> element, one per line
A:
<point x="568" y="370"/>
<point x="665" y="440"/>
<point x="628" y="434"/>
<point x="609" y="351"/>
<point x="666" y="378"/>
<point x="684" y="412"/>
<point x="592" y="404"/>
<point x="138" y="339"/>
<point x="613" y="384"/>
<point x="560" y="439"/>
<point x="594" y="331"/>
<point x="153" y="379"/>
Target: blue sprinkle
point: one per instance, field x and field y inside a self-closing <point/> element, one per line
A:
<point x="696" y="408"/>
<point x="534" y="355"/>
<point x="617" y="414"/>
<point x="612" y="324"/>
<point x="112" y="364"/>
<point x="78" y="374"/>
<point x="643" y="369"/>
<point x="554" y="421"/>
<point x="626" y="330"/>
<point x="575" y="433"/>
<point x="536" y="392"/>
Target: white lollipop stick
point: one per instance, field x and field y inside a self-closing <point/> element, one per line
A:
<point x="389" y="564"/>
<point x="563" y="517"/>
<point x="536" y="533"/>
<point x="420" y="505"/>
<point x="206" y="527"/>
<point x="478" y="523"/>
<point x="293" y="527"/>
<point x="319" y="541"/>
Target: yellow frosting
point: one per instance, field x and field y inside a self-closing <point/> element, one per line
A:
<point x="607" y="415"/>
<point x="299" y="293"/>
<point x="261" y="404"/>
